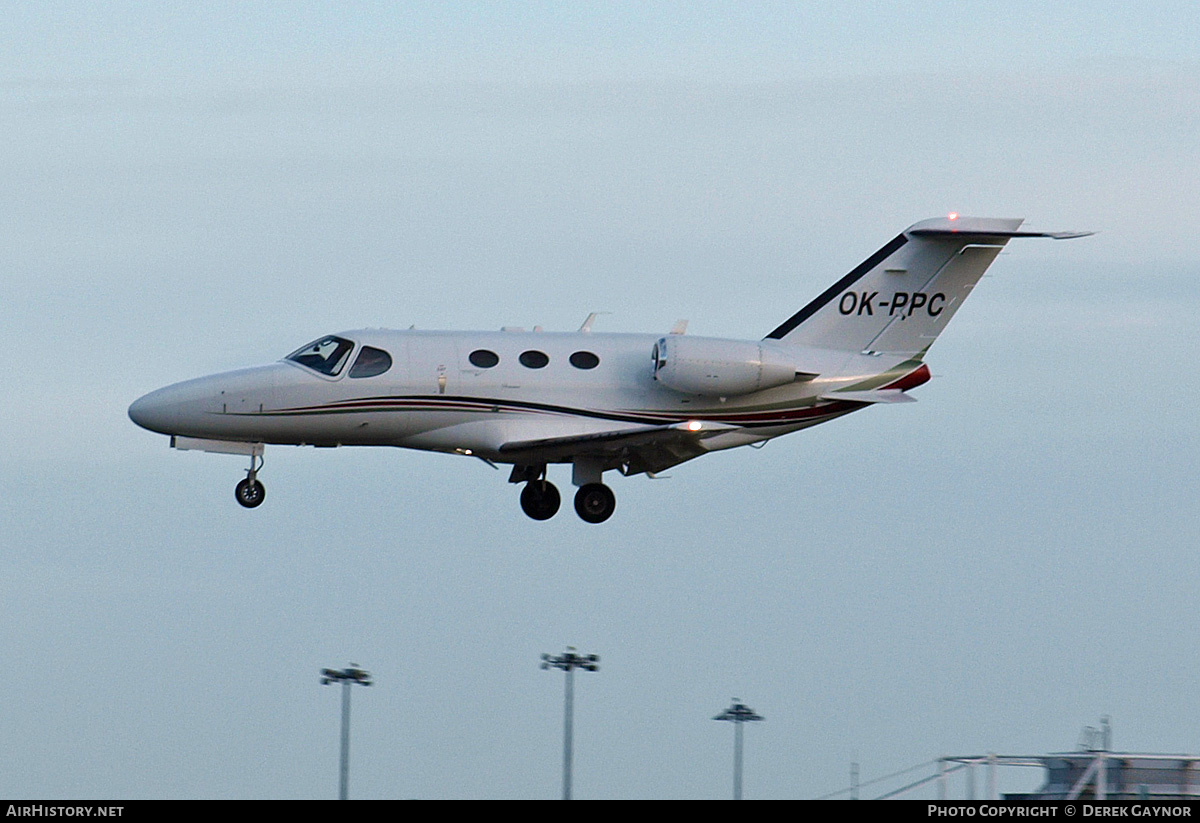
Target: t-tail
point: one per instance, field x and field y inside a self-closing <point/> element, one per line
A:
<point x="899" y="299"/>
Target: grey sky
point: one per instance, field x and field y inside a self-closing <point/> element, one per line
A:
<point x="989" y="569"/>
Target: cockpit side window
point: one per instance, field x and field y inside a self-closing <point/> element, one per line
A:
<point x="327" y="356"/>
<point x="371" y="362"/>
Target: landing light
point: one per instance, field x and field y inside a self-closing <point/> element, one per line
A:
<point x="694" y="425"/>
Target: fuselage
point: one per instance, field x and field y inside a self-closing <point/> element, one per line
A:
<point x="472" y="392"/>
<point x="631" y="403"/>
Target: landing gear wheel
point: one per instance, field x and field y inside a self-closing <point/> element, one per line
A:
<point x="540" y="499"/>
<point x="595" y="502"/>
<point x="250" y="493"/>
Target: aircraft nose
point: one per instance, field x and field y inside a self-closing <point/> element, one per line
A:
<point x="196" y="408"/>
<point x="157" y="411"/>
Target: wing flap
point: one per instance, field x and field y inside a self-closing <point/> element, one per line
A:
<point x="642" y="449"/>
<point x="873" y="396"/>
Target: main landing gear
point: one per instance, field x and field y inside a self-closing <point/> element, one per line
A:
<point x="594" y="502"/>
<point x="540" y="499"/>
<point x="250" y="492"/>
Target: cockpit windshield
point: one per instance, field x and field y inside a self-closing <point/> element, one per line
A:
<point x="328" y="355"/>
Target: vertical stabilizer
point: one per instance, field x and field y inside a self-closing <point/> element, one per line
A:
<point x="901" y="298"/>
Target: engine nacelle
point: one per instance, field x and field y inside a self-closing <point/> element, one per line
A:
<point x="714" y="367"/>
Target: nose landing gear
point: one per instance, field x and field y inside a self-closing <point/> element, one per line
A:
<point x="250" y="492"/>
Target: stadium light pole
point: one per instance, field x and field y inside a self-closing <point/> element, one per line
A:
<point x="738" y="714"/>
<point x="347" y="677"/>
<point x="568" y="661"/>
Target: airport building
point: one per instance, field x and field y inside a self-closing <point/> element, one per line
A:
<point x="1093" y="772"/>
<point x="1085" y="775"/>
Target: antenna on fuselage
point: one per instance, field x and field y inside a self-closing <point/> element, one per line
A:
<point x="587" y="324"/>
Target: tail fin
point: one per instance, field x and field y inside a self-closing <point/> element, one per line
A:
<point x="900" y="298"/>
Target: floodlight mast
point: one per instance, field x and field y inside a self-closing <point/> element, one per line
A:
<point x="347" y="677"/>
<point x="568" y="661"/>
<point x="738" y="714"/>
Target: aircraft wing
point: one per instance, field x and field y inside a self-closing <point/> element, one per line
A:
<point x="644" y="449"/>
<point x="871" y="396"/>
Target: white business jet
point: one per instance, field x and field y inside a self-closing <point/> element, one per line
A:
<point x="634" y="403"/>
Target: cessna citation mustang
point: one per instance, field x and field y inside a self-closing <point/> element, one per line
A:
<point x="634" y="403"/>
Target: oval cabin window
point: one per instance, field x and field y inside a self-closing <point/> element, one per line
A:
<point x="483" y="358"/>
<point x="584" y="360"/>
<point x="533" y="359"/>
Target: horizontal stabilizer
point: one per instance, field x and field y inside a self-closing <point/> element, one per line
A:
<point x="875" y="396"/>
<point x="968" y="233"/>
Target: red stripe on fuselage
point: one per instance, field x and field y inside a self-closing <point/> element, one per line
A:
<point x="763" y="418"/>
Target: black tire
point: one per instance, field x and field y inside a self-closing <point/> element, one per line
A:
<point x="540" y="499"/>
<point x="595" y="502"/>
<point x="250" y="494"/>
